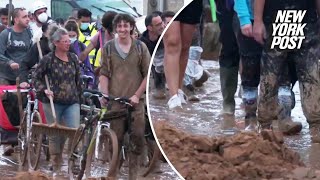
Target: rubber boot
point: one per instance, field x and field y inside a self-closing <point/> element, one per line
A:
<point x="228" y="81"/>
<point x="286" y="125"/>
<point x="249" y="98"/>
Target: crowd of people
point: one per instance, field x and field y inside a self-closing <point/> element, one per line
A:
<point x="65" y="50"/>
<point x="246" y="36"/>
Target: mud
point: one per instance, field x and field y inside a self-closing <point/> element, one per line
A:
<point x="29" y="176"/>
<point x="245" y="155"/>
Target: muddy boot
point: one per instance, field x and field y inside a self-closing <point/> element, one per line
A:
<point x="272" y="132"/>
<point x="190" y="91"/>
<point x="228" y="126"/>
<point x="286" y="125"/>
<point x="204" y="78"/>
<point x="228" y="81"/>
<point x="249" y="99"/>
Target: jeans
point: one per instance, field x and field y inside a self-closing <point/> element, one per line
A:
<point x="67" y="115"/>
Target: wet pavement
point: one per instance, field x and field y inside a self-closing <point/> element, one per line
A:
<point x="203" y="117"/>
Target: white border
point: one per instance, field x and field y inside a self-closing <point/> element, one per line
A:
<point x="147" y="89"/>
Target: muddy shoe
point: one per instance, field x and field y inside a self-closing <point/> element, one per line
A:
<point x="289" y="127"/>
<point x="272" y="136"/>
<point x="8" y="151"/>
<point x="228" y="126"/>
<point x="174" y="103"/>
<point x="159" y="94"/>
<point x="251" y="124"/>
<point x="204" y="78"/>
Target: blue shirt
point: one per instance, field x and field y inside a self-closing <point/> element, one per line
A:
<point x="244" y="11"/>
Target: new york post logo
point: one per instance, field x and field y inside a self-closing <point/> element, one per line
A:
<point x="288" y="29"/>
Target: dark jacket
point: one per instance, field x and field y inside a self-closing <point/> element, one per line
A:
<point x="150" y="44"/>
<point x="32" y="58"/>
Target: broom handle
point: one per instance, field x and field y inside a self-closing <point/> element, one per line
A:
<point x="48" y="86"/>
<point x="51" y="100"/>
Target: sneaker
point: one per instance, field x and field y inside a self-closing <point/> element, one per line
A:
<point x="182" y="96"/>
<point x="174" y="102"/>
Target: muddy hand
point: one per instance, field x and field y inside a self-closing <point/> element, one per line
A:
<point x="48" y="93"/>
<point x="134" y="100"/>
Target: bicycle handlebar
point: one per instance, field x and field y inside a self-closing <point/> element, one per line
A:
<point x="93" y="93"/>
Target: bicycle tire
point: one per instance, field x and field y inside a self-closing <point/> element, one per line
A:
<point x="153" y="156"/>
<point x="110" y="136"/>
<point x="78" y="138"/>
<point x="34" y="144"/>
<point x="22" y="140"/>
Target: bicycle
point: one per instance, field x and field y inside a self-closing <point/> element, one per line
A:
<point x="29" y="143"/>
<point x="87" y="138"/>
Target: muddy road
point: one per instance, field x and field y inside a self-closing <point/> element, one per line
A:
<point x="202" y="118"/>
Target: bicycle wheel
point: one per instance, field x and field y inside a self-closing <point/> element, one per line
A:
<point x="109" y="153"/>
<point x="22" y="140"/>
<point x="34" y="144"/>
<point x="153" y="157"/>
<point x="77" y="154"/>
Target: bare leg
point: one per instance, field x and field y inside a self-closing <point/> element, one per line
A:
<point x="172" y="45"/>
<point x="187" y="31"/>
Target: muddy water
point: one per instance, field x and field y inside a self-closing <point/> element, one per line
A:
<point x="9" y="168"/>
<point x="203" y="117"/>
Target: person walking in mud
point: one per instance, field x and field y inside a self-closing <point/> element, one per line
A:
<point x="273" y="61"/>
<point x="177" y="40"/>
<point x="150" y="37"/>
<point x="250" y="55"/>
<point x="63" y="71"/>
<point x="123" y="73"/>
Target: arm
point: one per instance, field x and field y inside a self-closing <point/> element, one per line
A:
<point x="259" y="30"/>
<point x="3" y="47"/>
<point x="38" y="75"/>
<point x="78" y="74"/>
<point x="104" y="73"/>
<point x="242" y="9"/>
<point x="144" y="67"/>
<point x="89" y="48"/>
<point x="26" y="64"/>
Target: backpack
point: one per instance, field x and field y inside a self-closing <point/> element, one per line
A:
<point x="138" y="48"/>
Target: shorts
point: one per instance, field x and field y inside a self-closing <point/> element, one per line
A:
<point x="191" y="14"/>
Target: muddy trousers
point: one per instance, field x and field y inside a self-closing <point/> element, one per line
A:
<point x="136" y="138"/>
<point x="229" y="57"/>
<point x="159" y="79"/>
<point x="67" y="115"/>
<point x="307" y="66"/>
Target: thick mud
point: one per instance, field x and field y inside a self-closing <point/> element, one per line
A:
<point x="242" y="156"/>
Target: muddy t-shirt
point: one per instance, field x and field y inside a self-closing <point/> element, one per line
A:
<point x="125" y="75"/>
<point x="64" y="78"/>
<point x="13" y="49"/>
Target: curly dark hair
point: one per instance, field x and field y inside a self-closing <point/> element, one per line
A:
<point x="126" y="18"/>
<point x="107" y="20"/>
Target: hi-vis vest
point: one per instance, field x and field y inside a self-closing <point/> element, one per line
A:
<point x="86" y="41"/>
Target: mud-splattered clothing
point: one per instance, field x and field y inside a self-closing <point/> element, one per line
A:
<point x="125" y="77"/>
<point x="307" y="67"/>
<point x="64" y="79"/>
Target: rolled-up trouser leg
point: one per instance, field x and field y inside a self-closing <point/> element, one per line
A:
<point x="272" y="63"/>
